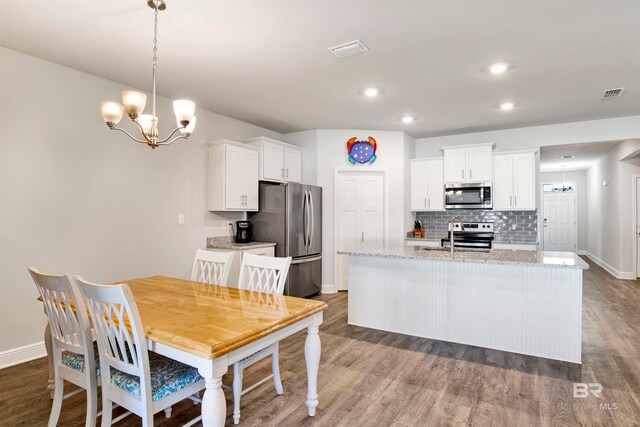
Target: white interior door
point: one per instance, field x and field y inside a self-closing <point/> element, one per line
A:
<point x="559" y="222"/>
<point x="359" y="217"/>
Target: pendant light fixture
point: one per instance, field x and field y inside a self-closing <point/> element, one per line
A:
<point x="133" y="104"/>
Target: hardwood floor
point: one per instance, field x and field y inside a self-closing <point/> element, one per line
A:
<point x="374" y="378"/>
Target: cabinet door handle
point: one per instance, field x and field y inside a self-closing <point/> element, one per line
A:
<point x="462" y="173"/>
<point x="362" y="241"/>
<point x="425" y="202"/>
<point x="429" y="201"/>
<point x="470" y="173"/>
<point x="287" y="174"/>
<point x="282" y="173"/>
<point x="515" y="201"/>
<point x="510" y="200"/>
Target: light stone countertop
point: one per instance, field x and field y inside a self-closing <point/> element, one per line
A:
<point x="495" y="256"/>
<point x="225" y="242"/>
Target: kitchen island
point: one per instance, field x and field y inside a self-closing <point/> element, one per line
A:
<point x="527" y="302"/>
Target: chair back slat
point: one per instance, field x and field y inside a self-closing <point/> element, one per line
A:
<point x="118" y="328"/>
<point x="69" y="331"/>
<point x="212" y="267"/>
<point x="264" y="274"/>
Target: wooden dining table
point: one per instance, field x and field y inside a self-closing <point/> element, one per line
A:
<point x="211" y="327"/>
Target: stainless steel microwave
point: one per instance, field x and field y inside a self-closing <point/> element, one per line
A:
<point x="476" y="195"/>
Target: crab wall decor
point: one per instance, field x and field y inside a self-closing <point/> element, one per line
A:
<point x="362" y="151"/>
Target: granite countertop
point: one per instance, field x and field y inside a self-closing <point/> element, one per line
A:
<point x="424" y="239"/>
<point x="226" y="242"/>
<point x="495" y="256"/>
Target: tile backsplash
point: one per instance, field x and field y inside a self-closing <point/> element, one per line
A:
<point x="509" y="226"/>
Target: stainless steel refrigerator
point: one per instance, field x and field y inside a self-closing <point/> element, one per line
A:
<point x="291" y="216"/>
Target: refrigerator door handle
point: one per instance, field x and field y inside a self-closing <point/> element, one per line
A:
<point x="305" y="260"/>
<point x="313" y="225"/>
<point x="306" y="219"/>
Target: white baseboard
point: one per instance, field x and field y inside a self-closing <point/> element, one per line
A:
<point x="329" y="289"/>
<point x="22" y="354"/>
<point x="582" y="252"/>
<point x="625" y="275"/>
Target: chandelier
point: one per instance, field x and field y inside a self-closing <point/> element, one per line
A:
<point x="133" y="104"/>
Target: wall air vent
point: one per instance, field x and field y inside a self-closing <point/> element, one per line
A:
<point x="347" y="49"/>
<point x="612" y="93"/>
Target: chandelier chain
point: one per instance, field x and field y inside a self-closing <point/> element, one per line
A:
<point x="155" y="38"/>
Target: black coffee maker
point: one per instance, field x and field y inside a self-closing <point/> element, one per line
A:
<point x="243" y="232"/>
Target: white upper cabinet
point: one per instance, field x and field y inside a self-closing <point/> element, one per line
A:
<point x="514" y="184"/>
<point x="468" y="163"/>
<point x="427" y="184"/>
<point x="279" y="161"/>
<point x="233" y="176"/>
<point x="292" y="165"/>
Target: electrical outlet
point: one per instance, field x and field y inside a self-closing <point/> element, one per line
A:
<point x="180" y="219"/>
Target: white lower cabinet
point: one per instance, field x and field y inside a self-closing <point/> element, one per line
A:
<point x="233" y="176"/>
<point x="234" y="273"/>
<point x="514" y="184"/>
<point x="427" y="184"/>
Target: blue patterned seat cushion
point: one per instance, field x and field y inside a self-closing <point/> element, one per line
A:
<point x="76" y="360"/>
<point x="167" y="376"/>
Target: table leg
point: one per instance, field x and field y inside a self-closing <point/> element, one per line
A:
<point x="214" y="405"/>
<point x="312" y="358"/>
<point x="48" y="344"/>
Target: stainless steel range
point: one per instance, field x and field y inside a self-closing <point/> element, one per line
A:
<point x="474" y="235"/>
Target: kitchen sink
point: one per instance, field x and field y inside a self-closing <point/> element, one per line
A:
<point x="479" y="250"/>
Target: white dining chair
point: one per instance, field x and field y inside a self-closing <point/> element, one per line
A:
<point x="141" y="381"/>
<point x="269" y="275"/>
<point x="74" y="355"/>
<point x="212" y="267"/>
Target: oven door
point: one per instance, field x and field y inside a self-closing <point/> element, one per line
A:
<point x="468" y="196"/>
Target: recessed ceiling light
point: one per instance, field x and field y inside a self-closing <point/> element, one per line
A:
<point x="407" y="119"/>
<point x="507" y="106"/>
<point x="498" y="68"/>
<point x="371" y="92"/>
<point x="567" y="156"/>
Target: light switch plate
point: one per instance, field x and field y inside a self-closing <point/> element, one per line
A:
<point x="180" y="219"/>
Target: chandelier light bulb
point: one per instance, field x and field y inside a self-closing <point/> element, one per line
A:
<point x="133" y="102"/>
<point x="184" y="111"/>
<point x="147" y="123"/>
<point x="111" y="112"/>
<point x="189" y="129"/>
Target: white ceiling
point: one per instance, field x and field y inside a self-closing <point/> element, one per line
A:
<point x="585" y="155"/>
<point x="266" y="62"/>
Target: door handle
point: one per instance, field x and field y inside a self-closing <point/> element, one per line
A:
<point x="313" y="219"/>
<point x="306" y="219"/>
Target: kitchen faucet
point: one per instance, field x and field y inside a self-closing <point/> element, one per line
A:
<point x="453" y="224"/>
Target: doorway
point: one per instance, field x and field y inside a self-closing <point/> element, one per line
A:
<point x="359" y="201"/>
<point x="559" y="217"/>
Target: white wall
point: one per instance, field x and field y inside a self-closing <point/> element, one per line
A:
<point x="78" y="198"/>
<point x="580" y="178"/>
<point x="394" y="151"/>
<point x="610" y="223"/>
<point x="617" y="129"/>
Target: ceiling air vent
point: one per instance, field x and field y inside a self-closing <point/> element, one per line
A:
<point x="347" y="49"/>
<point x="613" y="93"/>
